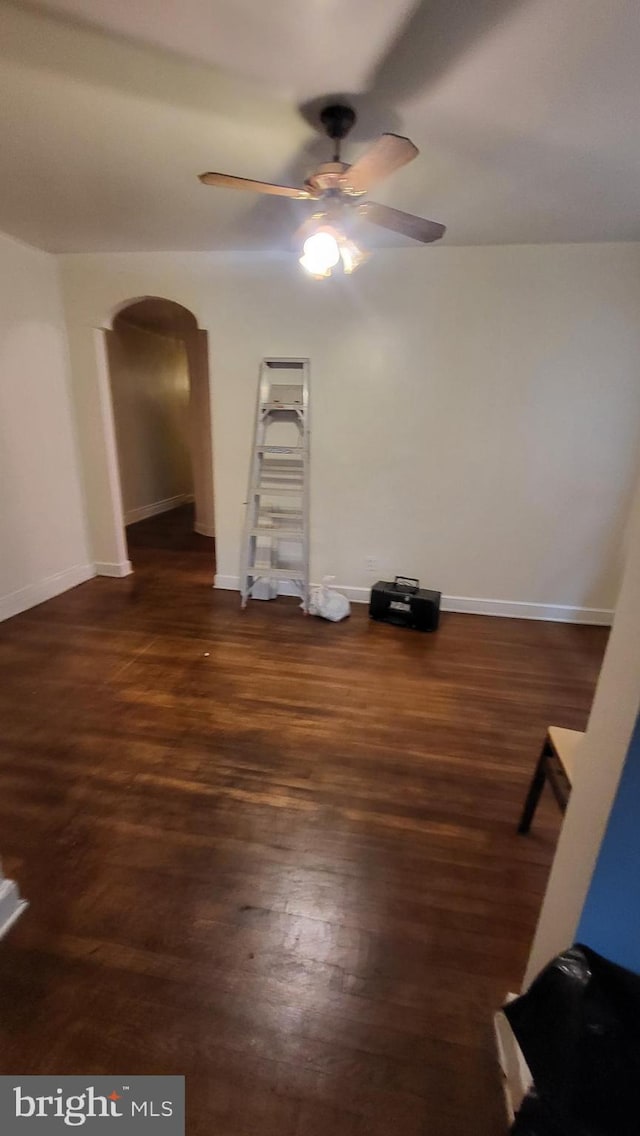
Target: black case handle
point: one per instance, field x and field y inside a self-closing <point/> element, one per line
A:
<point x="406" y="584"/>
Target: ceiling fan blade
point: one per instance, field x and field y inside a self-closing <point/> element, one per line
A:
<point x="227" y="181"/>
<point x="389" y="153"/>
<point x="406" y="223"/>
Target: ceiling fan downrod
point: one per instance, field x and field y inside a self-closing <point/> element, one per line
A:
<point x="337" y="119"/>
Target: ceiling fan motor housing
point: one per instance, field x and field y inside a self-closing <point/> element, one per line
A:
<point x="337" y="120"/>
<point x="326" y="177"/>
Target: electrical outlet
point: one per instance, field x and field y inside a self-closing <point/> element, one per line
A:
<point x="371" y="564"/>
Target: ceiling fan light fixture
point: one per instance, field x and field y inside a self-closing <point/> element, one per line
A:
<point x="352" y="256"/>
<point x="321" y="253"/>
<point x="327" y="248"/>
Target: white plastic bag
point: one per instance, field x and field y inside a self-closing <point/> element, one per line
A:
<point x="328" y="603"/>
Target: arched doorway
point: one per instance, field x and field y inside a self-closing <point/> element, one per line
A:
<point x="159" y="383"/>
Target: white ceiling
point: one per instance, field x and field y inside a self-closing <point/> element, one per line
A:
<point x="525" y="112"/>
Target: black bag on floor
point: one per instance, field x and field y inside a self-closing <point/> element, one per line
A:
<point x="578" y="1027"/>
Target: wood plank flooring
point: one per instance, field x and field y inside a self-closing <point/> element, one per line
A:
<point x="271" y="853"/>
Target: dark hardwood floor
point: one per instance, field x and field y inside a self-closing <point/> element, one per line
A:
<point x="272" y="853"/>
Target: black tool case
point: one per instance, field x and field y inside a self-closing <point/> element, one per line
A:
<point x="405" y="603"/>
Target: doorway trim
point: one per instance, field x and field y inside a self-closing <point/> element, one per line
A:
<point x="122" y="566"/>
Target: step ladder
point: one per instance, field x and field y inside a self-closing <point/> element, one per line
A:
<point x="275" y="545"/>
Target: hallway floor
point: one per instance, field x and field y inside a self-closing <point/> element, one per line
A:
<point x="271" y="853"/>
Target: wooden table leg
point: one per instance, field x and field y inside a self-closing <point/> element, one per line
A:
<point x="535" y="789"/>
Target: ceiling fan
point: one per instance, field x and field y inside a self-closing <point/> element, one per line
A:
<point x="340" y="188"/>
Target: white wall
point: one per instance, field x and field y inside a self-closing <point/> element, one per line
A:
<point x="598" y="768"/>
<point x="150" y="390"/>
<point x="196" y="343"/>
<point x="43" y="544"/>
<point x="475" y="411"/>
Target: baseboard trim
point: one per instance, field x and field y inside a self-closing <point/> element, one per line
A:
<point x="123" y="568"/>
<point x="226" y="583"/>
<point x="516" y="609"/>
<point x="43" y="590"/>
<point x="468" y="605"/>
<point x="156" y="507"/>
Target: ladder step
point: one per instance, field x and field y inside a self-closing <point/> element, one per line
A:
<point x="268" y="512"/>
<point x="276" y="530"/>
<point x="281" y="482"/>
<point x="277" y="491"/>
<point x="276" y="573"/>
<point x="283" y="460"/>
<point x="264" y="449"/>
<point x="280" y="474"/>
<point x="293" y="465"/>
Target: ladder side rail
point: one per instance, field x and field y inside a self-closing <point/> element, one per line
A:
<point x="252" y="502"/>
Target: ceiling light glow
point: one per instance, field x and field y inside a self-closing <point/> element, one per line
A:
<point x="321" y="253"/>
<point x="313" y="269"/>
<point x="328" y="247"/>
